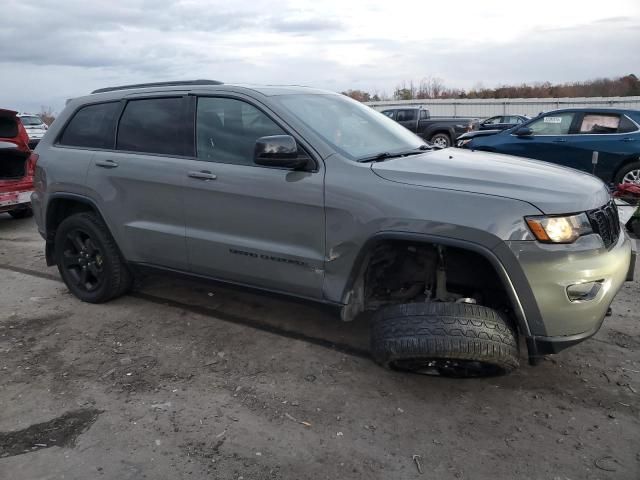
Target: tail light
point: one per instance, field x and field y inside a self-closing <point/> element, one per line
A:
<point x="32" y="161"/>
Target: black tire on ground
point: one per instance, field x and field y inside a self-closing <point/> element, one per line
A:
<point x="441" y="140"/>
<point x="635" y="166"/>
<point x="21" y="213"/>
<point x="449" y="339"/>
<point x="109" y="276"/>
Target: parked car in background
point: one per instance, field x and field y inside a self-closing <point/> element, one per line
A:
<point x="17" y="166"/>
<point x="502" y="122"/>
<point x="441" y="131"/>
<point x="570" y="137"/>
<point x="34" y="126"/>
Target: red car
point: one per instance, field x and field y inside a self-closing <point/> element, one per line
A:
<point x="17" y="166"/>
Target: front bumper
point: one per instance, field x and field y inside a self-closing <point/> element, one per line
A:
<point x="550" y="269"/>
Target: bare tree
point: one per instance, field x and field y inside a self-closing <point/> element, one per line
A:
<point x="47" y="115"/>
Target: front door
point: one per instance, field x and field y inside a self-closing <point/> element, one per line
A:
<point x="549" y="139"/>
<point x="247" y="223"/>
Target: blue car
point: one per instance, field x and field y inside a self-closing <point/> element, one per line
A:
<point x="570" y="137"/>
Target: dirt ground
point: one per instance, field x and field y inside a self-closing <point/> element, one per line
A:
<point x="193" y="380"/>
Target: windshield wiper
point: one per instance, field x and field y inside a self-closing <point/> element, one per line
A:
<point x="386" y="155"/>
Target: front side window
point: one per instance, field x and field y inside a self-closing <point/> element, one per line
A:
<point x="512" y="120"/>
<point x="157" y="126"/>
<point x="92" y="126"/>
<point x="353" y="129"/>
<point x="552" y="124"/>
<point x="493" y="121"/>
<point x="227" y="130"/>
<point x="596" y="123"/>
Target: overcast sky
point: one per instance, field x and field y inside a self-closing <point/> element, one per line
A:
<point x="51" y="50"/>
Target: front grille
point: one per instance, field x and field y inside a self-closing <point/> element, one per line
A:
<point x="606" y="223"/>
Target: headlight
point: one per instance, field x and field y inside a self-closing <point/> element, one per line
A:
<point x="565" y="229"/>
<point x="463" y="142"/>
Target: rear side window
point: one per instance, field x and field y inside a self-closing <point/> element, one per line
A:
<point x="596" y="123"/>
<point x="406" y="115"/>
<point x="156" y="125"/>
<point x="92" y="126"/>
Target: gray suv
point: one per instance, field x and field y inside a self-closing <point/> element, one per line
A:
<point x="457" y="254"/>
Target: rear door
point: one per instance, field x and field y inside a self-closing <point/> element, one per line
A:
<point x="247" y="223"/>
<point x="139" y="183"/>
<point x="605" y="133"/>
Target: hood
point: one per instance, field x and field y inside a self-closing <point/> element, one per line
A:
<point x="551" y="188"/>
<point x="478" y="133"/>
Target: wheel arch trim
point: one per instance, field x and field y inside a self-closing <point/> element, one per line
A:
<point x="47" y="216"/>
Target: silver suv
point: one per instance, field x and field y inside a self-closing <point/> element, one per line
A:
<point x="456" y="253"/>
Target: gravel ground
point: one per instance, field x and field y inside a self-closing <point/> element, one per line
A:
<point x="193" y="380"/>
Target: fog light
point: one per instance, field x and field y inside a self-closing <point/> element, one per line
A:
<point x="582" y="292"/>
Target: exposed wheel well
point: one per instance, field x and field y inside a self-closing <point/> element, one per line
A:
<point x="405" y="271"/>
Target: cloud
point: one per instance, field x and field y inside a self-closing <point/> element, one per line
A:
<point x="302" y="26"/>
<point x="54" y="49"/>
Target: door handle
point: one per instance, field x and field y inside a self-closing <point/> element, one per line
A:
<point x="628" y="139"/>
<point x="203" y="175"/>
<point x="559" y="140"/>
<point x="106" y="164"/>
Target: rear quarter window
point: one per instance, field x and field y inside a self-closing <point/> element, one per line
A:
<point x="91" y="127"/>
<point x="626" y="125"/>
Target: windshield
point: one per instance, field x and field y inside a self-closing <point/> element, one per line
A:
<point x="31" y="121"/>
<point x="355" y="130"/>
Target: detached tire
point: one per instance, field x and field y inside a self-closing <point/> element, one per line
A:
<point x="88" y="259"/>
<point x="21" y="213"/>
<point x="448" y="339"/>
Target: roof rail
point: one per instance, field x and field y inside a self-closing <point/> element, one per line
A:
<point x="158" y="84"/>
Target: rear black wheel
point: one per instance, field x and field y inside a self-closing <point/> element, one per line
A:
<point x="88" y="259"/>
<point x="21" y="213"/>
<point x="447" y="339"/>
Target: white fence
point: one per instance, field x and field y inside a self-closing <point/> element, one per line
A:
<point x="482" y="108"/>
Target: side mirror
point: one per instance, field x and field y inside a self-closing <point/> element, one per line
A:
<point x="523" y="132"/>
<point x="278" y="151"/>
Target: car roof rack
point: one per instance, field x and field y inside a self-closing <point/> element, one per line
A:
<point x="158" y="84"/>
